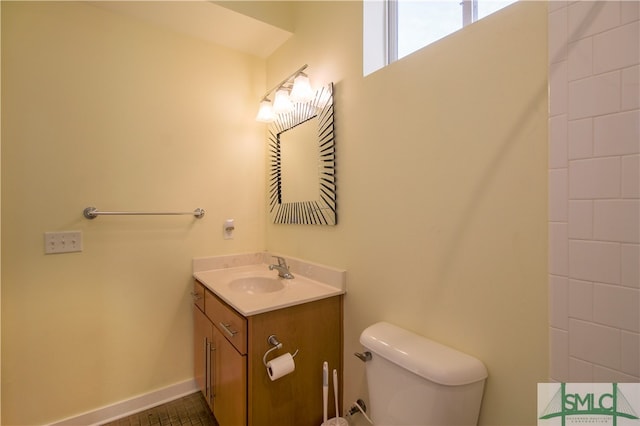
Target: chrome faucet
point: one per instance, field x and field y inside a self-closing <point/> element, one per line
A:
<point x="282" y="268"/>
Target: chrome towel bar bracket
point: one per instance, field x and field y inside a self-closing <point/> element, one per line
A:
<point x="92" y="213"/>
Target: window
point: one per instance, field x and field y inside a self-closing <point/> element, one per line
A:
<point x="396" y="28"/>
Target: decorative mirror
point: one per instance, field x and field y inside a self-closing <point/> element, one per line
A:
<point x="302" y="187"/>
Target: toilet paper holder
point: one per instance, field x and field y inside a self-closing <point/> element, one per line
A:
<point x="273" y="340"/>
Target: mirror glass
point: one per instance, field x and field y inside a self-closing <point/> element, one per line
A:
<point x="302" y="172"/>
<point x="300" y="156"/>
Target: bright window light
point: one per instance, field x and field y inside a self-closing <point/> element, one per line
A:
<point x="487" y="7"/>
<point x="421" y="22"/>
<point x="396" y="28"/>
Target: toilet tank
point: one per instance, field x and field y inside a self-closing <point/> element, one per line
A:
<point x="415" y="381"/>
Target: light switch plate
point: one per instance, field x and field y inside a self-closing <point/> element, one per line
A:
<point x="228" y="227"/>
<point x="62" y="242"/>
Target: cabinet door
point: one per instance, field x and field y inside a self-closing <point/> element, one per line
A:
<point x="229" y="376"/>
<point x="202" y="344"/>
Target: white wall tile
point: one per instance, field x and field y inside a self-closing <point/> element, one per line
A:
<point x="580" y="371"/>
<point x="591" y="17"/>
<point x="558" y="195"/>
<point x="631" y="353"/>
<point x="559" y="355"/>
<point x="617" y="134"/>
<point x="594" y="125"/>
<point x="594" y="178"/>
<point x="630" y="268"/>
<point x="558" y="142"/>
<point x="617" y="220"/>
<point x="581" y="300"/>
<point x="581" y="219"/>
<point x="629" y="11"/>
<point x="592" y="96"/>
<point x="607" y="93"/>
<point x="626" y="39"/>
<point x="580" y="59"/>
<point x="631" y="176"/>
<point x="594" y="261"/>
<point x="558" y="88"/>
<point x="606" y="375"/>
<point x="559" y="302"/>
<point x="557" y="25"/>
<point x="630" y="88"/>
<point x="581" y="93"/>
<point x="580" y="138"/>
<point x="617" y="306"/>
<point x="554" y="5"/>
<point x="558" y="249"/>
<point x="594" y="343"/>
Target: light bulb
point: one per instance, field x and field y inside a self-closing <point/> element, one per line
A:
<point x="265" y="113"/>
<point x="302" y="91"/>
<point x="282" y="103"/>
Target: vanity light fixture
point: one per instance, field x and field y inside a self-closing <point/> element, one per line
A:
<point x="265" y="113"/>
<point x="282" y="104"/>
<point x="301" y="91"/>
<point x="293" y="89"/>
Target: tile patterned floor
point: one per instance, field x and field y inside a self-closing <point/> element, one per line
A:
<point x="188" y="410"/>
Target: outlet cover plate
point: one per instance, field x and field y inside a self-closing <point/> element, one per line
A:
<point x="62" y="242"/>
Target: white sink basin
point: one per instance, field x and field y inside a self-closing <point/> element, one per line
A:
<point x="254" y="289"/>
<point x="253" y="285"/>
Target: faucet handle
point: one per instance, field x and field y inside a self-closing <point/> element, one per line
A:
<point x="281" y="261"/>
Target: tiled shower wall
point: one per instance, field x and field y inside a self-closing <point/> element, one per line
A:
<point x="594" y="191"/>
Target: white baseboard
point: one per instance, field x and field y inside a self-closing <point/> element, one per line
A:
<point x="130" y="406"/>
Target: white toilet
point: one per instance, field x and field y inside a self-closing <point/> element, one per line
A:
<point x="416" y="381"/>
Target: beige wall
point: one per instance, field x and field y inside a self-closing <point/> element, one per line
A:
<point x="101" y="110"/>
<point x="441" y="190"/>
<point x="442" y="198"/>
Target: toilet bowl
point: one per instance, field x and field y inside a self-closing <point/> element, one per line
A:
<point x="415" y="381"/>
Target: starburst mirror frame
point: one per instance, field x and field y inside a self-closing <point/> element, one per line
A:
<point x="320" y="210"/>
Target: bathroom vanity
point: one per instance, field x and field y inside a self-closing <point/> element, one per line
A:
<point x="232" y="326"/>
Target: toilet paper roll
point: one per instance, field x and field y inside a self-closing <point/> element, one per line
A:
<point x="280" y="366"/>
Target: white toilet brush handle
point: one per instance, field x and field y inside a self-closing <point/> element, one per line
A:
<point x="325" y="391"/>
<point x="335" y="390"/>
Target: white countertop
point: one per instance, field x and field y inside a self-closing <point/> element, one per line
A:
<point x="296" y="291"/>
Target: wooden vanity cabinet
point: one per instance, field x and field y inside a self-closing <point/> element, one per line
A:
<point x="229" y="382"/>
<point x="313" y="328"/>
<point x="203" y="337"/>
<point x="227" y="320"/>
<point x="242" y="393"/>
<point x="219" y="369"/>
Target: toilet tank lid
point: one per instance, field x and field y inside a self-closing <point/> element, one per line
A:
<point x="424" y="357"/>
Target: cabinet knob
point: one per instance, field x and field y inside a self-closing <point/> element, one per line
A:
<point x="196" y="296"/>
